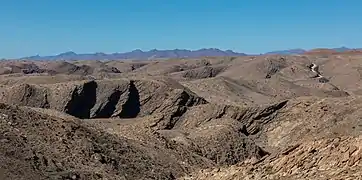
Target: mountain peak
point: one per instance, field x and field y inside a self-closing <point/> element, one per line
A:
<point x="69" y="53"/>
<point x="137" y="51"/>
<point x="341" y="49"/>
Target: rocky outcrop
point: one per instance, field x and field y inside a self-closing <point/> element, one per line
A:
<point x="222" y="134"/>
<point x="63" y="67"/>
<point x="332" y="158"/>
<point x="108" y="69"/>
<point x="252" y="118"/>
<point x="82" y="100"/>
<point x="26" y="95"/>
<point x="107" y="98"/>
<point x="226" y="135"/>
<point x="222" y="90"/>
<point x="34" y="145"/>
<point x="131" y="108"/>
<point x="260" y="117"/>
<point x="224" y="142"/>
<point x="203" y="72"/>
<point x="274" y="66"/>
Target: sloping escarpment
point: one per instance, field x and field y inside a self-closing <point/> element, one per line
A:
<point x="225" y="134"/>
<point x="205" y="136"/>
<point x="182" y="100"/>
<point x="39" y="146"/>
<point x="260" y="117"/>
<point x="31" y="69"/>
<point x="224" y="90"/>
<point x="224" y="142"/>
<point x="203" y="72"/>
<point x="108" y="69"/>
<point x="312" y="118"/>
<point x="252" y="118"/>
<point x="63" y="67"/>
<point x="106" y="98"/>
<point x="26" y="95"/>
<point x="126" y="66"/>
<point x="21" y="67"/>
<point x="221" y="134"/>
<point x="325" y="159"/>
<point x="312" y="138"/>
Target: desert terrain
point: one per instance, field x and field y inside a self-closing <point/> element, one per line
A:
<point x="249" y="117"/>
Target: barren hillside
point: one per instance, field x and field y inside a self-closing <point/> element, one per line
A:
<point x="248" y="117"/>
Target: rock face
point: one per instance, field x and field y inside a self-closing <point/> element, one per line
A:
<point x="106" y="98"/>
<point x="217" y="139"/>
<point x="274" y="66"/>
<point x="39" y="146"/>
<point x="301" y="146"/>
<point x="204" y="72"/>
<point x="252" y="117"/>
<point x="27" y="95"/>
<point x="333" y="158"/>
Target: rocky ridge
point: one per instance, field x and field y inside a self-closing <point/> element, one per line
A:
<point x="252" y="117"/>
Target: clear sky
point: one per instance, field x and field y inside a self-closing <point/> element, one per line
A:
<point x="47" y="27"/>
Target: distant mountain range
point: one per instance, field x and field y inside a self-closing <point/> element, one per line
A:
<point x="153" y="54"/>
<point x="302" y="51"/>
<point x="139" y="54"/>
<point x="288" y="52"/>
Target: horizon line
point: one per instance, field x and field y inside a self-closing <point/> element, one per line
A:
<point x="179" y="49"/>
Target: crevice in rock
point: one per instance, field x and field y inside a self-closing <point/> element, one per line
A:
<point x="175" y="117"/>
<point x="244" y="130"/>
<point x="270" y="110"/>
<point x="132" y="107"/>
<point x="183" y="101"/>
<point x="188" y="100"/>
<point x="110" y="107"/>
<point x="81" y="103"/>
<point x="46" y="102"/>
<point x="28" y="91"/>
<point x="222" y="113"/>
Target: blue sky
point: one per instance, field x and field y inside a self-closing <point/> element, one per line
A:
<point x="48" y="27"/>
